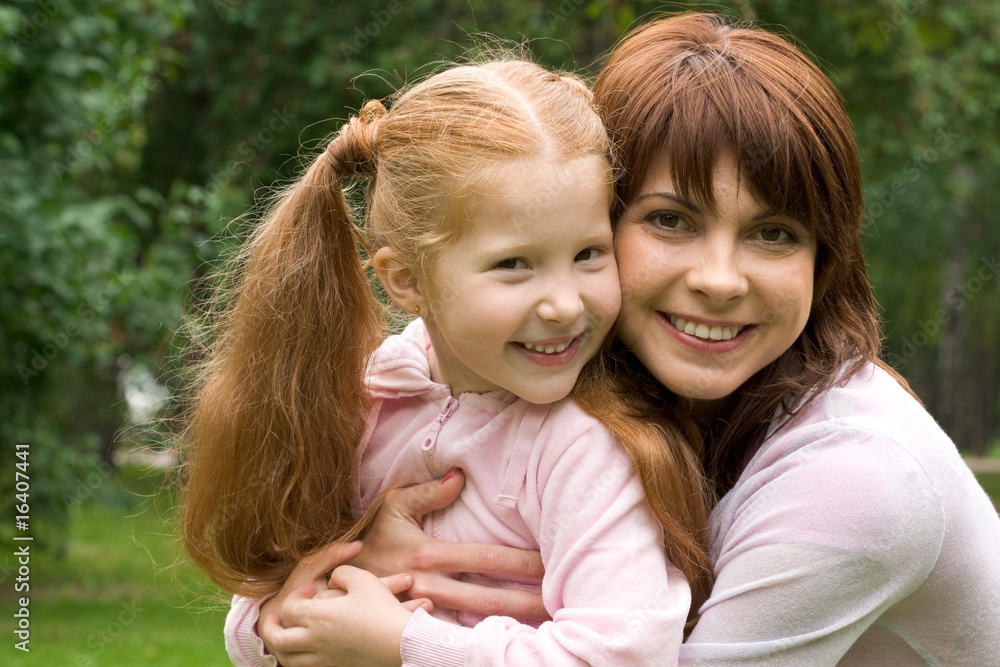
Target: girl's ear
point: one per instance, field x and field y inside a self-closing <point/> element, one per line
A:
<point x="399" y="282"/>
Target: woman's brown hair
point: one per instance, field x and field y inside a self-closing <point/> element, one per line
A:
<point x="691" y="88"/>
<point x="279" y="406"/>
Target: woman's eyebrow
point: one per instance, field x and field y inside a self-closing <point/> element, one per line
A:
<point x="675" y="197"/>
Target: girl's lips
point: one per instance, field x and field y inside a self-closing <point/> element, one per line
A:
<point x="551" y="358"/>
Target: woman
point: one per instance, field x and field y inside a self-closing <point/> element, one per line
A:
<point x="848" y="530"/>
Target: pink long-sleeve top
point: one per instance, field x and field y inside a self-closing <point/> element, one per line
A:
<point x="540" y="477"/>
<point x="856" y="535"/>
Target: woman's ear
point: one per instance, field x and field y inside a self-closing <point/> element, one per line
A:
<point x="399" y="282"/>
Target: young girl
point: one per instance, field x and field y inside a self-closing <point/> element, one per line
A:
<point x="487" y="218"/>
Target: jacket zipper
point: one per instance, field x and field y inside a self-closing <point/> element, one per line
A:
<point x="449" y="407"/>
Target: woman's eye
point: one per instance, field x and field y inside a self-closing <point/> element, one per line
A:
<point x="512" y="264"/>
<point x="775" y="235"/>
<point x="666" y="220"/>
<point x="588" y="254"/>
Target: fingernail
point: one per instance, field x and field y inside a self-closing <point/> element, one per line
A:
<point x="426" y="607"/>
<point x="450" y="474"/>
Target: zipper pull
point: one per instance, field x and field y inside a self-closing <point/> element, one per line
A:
<point x="449" y="407"/>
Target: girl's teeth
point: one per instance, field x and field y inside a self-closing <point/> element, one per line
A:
<point x="547" y="349"/>
<point x="704" y="331"/>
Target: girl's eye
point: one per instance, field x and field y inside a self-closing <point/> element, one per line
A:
<point x="666" y="219"/>
<point x="775" y="235"/>
<point x="513" y="263"/>
<point x="588" y="254"/>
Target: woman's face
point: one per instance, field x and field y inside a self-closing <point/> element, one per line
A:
<point x="710" y="298"/>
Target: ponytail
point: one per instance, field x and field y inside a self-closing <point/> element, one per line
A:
<point x="666" y="457"/>
<point x="279" y="407"/>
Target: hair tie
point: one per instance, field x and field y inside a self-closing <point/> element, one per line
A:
<point x="353" y="150"/>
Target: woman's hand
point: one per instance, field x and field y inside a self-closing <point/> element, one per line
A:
<point x="356" y="622"/>
<point x="396" y="543"/>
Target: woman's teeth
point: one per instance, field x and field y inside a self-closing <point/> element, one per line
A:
<point x="704" y="331"/>
<point x="547" y="349"/>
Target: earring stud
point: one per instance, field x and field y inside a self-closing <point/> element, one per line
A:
<point x="416" y="309"/>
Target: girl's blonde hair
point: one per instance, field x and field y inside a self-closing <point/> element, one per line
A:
<point x="279" y="406"/>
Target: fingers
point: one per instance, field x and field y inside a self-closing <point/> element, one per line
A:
<point x="420" y="499"/>
<point x="397" y="583"/>
<point x="328" y="593"/>
<point x="287" y="643"/>
<point x="421" y="603"/>
<point x="486" y="600"/>
<point x="303" y="592"/>
<point x="329" y="557"/>
<point x="346" y="577"/>
<point x="481" y="558"/>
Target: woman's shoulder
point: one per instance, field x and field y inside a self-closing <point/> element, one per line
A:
<point x="873" y="403"/>
<point x="864" y="450"/>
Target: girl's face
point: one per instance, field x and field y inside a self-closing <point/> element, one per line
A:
<point x="709" y="299"/>
<point x="524" y="297"/>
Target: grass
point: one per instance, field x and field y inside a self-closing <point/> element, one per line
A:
<point x="121" y="595"/>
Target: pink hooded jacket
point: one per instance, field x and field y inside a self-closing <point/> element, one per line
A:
<point x="543" y="477"/>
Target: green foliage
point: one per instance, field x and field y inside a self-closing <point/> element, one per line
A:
<point x="75" y="231"/>
<point x="119" y="595"/>
<point x="132" y="134"/>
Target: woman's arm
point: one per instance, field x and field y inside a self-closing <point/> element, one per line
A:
<point x="396" y="544"/>
<point x="820" y="537"/>
<point x="613" y="596"/>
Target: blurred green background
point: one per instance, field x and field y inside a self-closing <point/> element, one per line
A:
<point x="133" y="134"/>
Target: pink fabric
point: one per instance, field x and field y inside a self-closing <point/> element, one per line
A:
<point x="548" y="478"/>
<point x="245" y="647"/>
<point x="855" y="536"/>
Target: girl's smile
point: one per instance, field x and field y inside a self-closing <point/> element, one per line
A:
<point x="551" y="352"/>
<point x="527" y="292"/>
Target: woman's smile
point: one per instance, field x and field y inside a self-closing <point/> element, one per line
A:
<point x="711" y="294"/>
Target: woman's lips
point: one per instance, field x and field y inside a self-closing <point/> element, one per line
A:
<point x="706" y="337"/>
<point x="705" y="331"/>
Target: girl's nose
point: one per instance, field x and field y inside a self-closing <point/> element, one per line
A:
<point x="561" y="303"/>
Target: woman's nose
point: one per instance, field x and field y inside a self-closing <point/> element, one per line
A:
<point x="717" y="273"/>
